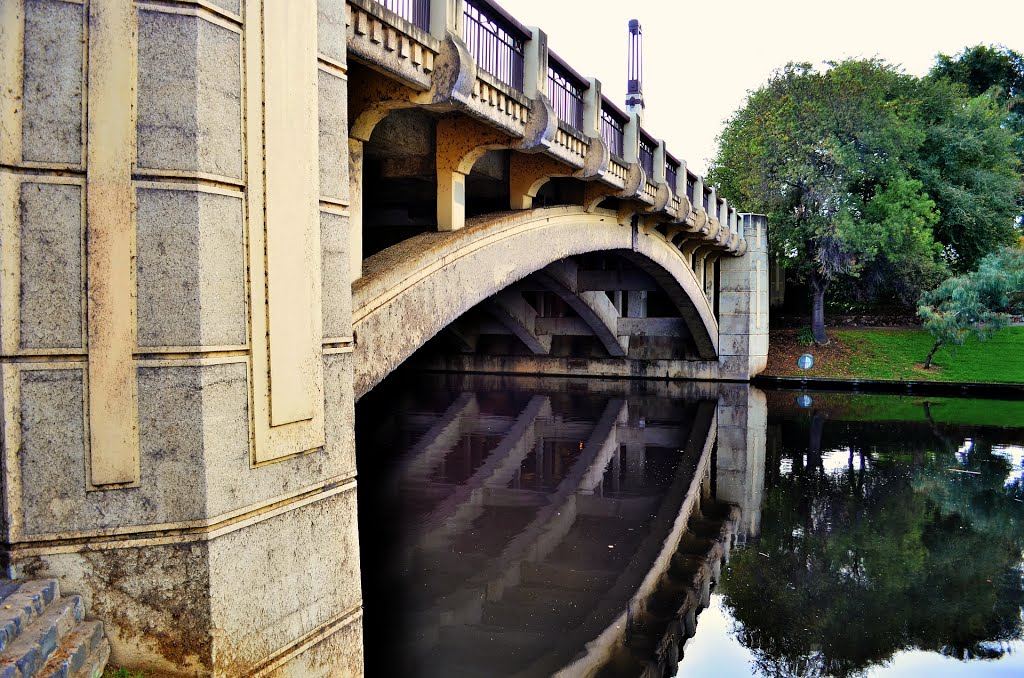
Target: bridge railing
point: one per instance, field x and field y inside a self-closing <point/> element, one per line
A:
<point x="416" y="12"/>
<point x="672" y="167"/>
<point x="613" y="128"/>
<point x="566" y="91"/>
<point x="519" y="66"/>
<point x="646" y="155"/>
<point x="496" y="40"/>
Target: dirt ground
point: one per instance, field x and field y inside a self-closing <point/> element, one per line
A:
<point x="784" y="348"/>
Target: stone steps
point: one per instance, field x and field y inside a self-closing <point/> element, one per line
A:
<point x="45" y="635"/>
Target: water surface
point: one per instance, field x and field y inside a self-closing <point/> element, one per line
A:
<point x="520" y="526"/>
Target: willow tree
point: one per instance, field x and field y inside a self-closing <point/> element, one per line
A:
<point x="832" y="158"/>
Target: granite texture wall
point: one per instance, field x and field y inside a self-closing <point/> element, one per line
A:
<point x="176" y="327"/>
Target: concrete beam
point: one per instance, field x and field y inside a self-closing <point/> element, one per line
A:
<point x="511" y="310"/>
<point x="620" y="280"/>
<point x="653" y="327"/>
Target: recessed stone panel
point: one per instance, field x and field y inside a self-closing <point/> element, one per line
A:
<point x="333" y="106"/>
<point x="52" y="96"/>
<point x="51" y="266"/>
<point x="191" y="270"/>
<point x="189" y="96"/>
<point x="53" y="449"/>
<point x="337" y="285"/>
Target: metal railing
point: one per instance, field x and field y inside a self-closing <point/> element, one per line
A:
<point x="498" y="45"/>
<point x="647" y="146"/>
<point x="690" y="179"/>
<point x="671" y="172"/>
<point x="613" y="128"/>
<point x="707" y="201"/>
<point x="416" y="12"/>
<point x="565" y="90"/>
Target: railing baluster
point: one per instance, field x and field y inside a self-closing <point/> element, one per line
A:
<point x="416" y="12"/>
<point x="497" y="45"/>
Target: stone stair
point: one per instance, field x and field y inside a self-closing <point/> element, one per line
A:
<point x="45" y="635"/>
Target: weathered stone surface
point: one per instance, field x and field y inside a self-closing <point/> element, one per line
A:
<point x="331" y="30"/>
<point x="333" y="109"/>
<point x="315" y="547"/>
<point x="340" y="654"/>
<point x="337" y="281"/>
<point x="191" y="270"/>
<point x="189" y="99"/>
<point x="51" y="265"/>
<point x="53" y="91"/>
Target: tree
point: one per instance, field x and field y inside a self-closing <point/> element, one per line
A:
<point x="827" y="156"/>
<point x="968" y="164"/>
<point x="975" y="304"/>
<point x="872" y="177"/>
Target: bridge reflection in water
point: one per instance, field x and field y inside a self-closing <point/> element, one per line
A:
<point x="521" y="526"/>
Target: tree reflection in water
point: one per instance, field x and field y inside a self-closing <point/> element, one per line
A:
<point x="913" y="544"/>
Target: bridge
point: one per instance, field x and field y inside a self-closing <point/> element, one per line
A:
<point x="224" y="221"/>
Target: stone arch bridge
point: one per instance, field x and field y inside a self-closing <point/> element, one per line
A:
<point x="223" y="221"/>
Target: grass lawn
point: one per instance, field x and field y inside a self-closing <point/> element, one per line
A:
<point x="898" y="355"/>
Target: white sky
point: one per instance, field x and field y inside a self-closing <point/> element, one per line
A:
<point x="691" y="85"/>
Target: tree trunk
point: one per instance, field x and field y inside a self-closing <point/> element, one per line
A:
<point x="931" y="354"/>
<point x="818" y="287"/>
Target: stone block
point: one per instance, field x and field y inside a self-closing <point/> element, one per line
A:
<point x="232" y="482"/>
<point x="340" y="654"/>
<point x="333" y="109"/>
<point x="339" y="412"/>
<point x="52" y="98"/>
<point x="54" y="454"/>
<point x="153" y="601"/>
<point x="191" y="269"/>
<point x="331" y="30"/>
<point x="51" y="265"/>
<point x="735" y="303"/>
<point x="734" y="323"/>
<point x="189" y="95"/>
<point x="335" y="277"/>
<point x="733" y="344"/>
<point x="233" y="6"/>
<point x="223" y="605"/>
<point x="276" y="581"/>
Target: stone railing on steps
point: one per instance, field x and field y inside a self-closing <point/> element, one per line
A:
<point x="45" y="635"/>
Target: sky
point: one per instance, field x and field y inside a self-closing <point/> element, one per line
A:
<point x="693" y="80"/>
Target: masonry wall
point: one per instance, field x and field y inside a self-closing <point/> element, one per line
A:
<point x="743" y="305"/>
<point x="175" y="326"/>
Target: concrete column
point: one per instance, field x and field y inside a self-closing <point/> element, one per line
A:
<point x="659" y="164"/>
<point x="723" y="215"/>
<point x="713" y="205"/>
<point x="636" y="305"/>
<point x="631" y="139"/>
<point x="680" y="188"/>
<point x="743" y="304"/>
<point x="446" y="16"/>
<point x="166" y="231"/>
<point x="740" y="467"/>
<point x="698" y="193"/>
<point x="535" y="67"/>
<point x="592" y="109"/>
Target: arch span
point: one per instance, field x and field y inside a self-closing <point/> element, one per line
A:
<point x="413" y="290"/>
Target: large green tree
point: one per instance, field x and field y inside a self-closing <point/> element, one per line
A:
<point x="974" y="155"/>
<point x="856" y="167"/>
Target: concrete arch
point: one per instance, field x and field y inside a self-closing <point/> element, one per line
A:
<point x="423" y="284"/>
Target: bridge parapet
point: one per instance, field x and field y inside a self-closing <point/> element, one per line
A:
<point x="473" y="57"/>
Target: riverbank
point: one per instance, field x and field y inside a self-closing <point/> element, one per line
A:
<point x="898" y="355"/>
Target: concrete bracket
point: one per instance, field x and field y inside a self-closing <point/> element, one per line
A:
<point x="454" y="73"/>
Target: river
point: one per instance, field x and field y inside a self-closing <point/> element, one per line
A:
<point x="520" y="526"/>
